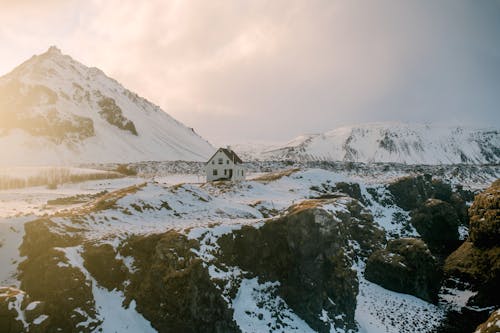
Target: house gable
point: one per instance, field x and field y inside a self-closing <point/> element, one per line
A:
<point x="231" y="155"/>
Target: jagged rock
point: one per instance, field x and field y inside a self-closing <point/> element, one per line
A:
<point x="492" y="325"/>
<point x="172" y="287"/>
<point x="437" y="222"/>
<point x="308" y="252"/>
<point x="406" y="265"/>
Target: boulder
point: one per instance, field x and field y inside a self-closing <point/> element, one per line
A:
<point x="406" y="265"/>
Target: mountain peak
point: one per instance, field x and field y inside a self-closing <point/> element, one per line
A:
<point x="54" y="50"/>
<point x="72" y="113"/>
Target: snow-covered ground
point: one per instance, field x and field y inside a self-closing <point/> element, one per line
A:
<point x="206" y="211"/>
<point x="384" y="311"/>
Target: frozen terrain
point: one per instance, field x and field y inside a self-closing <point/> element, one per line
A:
<point x="118" y="208"/>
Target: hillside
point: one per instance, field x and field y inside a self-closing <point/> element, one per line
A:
<point x="393" y="142"/>
<point x="55" y="110"/>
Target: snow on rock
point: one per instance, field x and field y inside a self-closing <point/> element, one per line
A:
<point x="11" y="237"/>
<point x="109" y="304"/>
<point x="257" y="308"/>
<point x="75" y="114"/>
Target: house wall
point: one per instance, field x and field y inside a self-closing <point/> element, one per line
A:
<point x="238" y="170"/>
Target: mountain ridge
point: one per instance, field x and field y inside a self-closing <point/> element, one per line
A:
<point x="390" y="142"/>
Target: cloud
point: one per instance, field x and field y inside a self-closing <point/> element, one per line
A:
<point x="247" y="70"/>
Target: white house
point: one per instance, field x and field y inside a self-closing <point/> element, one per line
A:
<point x="225" y="165"/>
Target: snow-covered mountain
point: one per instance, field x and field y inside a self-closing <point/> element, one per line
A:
<point x="55" y="110"/>
<point x="394" y="142"/>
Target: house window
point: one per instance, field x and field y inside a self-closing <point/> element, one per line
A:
<point x="220" y="161"/>
<point x="213" y="162"/>
<point x="215" y="172"/>
<point x="227" y="161"/>
<point x="225" y="172"/>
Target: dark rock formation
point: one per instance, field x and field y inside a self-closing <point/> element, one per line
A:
<point x="46" y="276"/>
<point x="437" y="223"/>
<point x="100" y="261"/>
<point x="411" y="192"/>
<point x="477" y="261"/>
<point x="406" y="265"/>
<point x="172" y="287"/>
<point x="308" y="252"/>
<point x="485" y="218"/>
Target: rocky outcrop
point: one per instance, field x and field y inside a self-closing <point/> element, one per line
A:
<point x="100" y="260"/>
<point x="172" y="287"/>
<point x="307" y="255"/>
<point x="406" y="265"/>
<point x="485" y="218"/>
<point x="47" y="277"/>
<point x="413" y="191"/>
<point x="477" y="261"/>
<point x="309" y="252"/>
<point x="19" y="314"/>
<point x="475" y="265"/>
<point x="437" y="223"/>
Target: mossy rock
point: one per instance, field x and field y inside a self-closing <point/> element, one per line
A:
<point x="406" y="265"/>
<point x="485" y="217"/>
<point x="477" y="261"/>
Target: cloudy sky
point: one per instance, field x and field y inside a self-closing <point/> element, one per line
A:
<point x="259" y="70"/>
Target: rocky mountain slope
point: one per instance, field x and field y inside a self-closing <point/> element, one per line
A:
<point x="54" y="110"/>
<point x="391" y="142"/>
